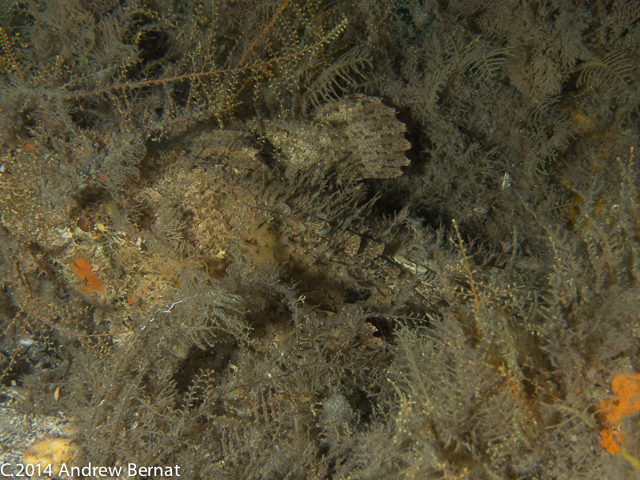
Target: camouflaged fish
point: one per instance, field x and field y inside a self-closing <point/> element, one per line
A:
<point x="356" y="132"/>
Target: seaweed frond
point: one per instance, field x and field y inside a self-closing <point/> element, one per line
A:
<point x="338" y="78"/>
<point x="615" y="66"/>
<point x="8" y="62"/>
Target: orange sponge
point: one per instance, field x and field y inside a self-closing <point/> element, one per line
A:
<point x="81" y="268"/>
<point x="626" y="389"/>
